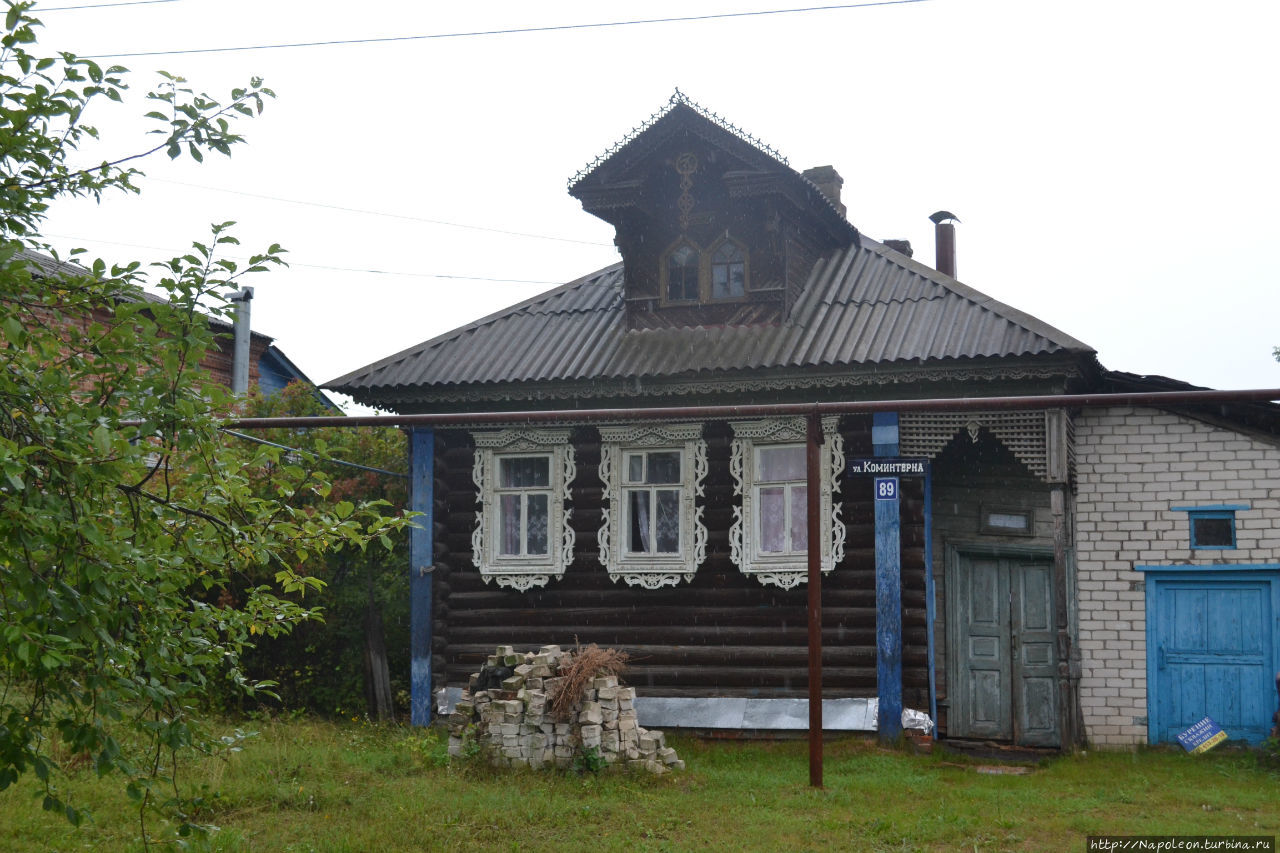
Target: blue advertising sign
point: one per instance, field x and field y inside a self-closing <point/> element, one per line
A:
<point x="1202" y="737"/>
<point x="886" y="488"/>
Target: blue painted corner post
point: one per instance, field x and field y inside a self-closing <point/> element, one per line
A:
<point x="884" y="442"/>
<point x="421" y="487"/>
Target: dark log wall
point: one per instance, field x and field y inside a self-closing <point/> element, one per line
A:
<point x="723" y="634"/>
<point x="454" y="521"/>
<point x="915" y="623"/>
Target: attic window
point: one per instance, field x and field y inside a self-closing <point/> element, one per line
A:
<point x="728" y="271"/>
<point x="692" y="275"/>
<point x="682" y="273"/>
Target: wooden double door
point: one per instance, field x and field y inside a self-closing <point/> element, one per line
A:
<point x="1002" y="648"/>
<point x="1211" y="647"/>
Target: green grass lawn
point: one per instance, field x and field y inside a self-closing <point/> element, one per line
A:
<point x="318" y="786"/>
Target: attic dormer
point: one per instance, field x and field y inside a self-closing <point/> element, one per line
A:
<point x="713" y="227"/>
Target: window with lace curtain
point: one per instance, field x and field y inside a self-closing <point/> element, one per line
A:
<point x="652" y="533"/>
<point x="781" y="499"/>
<point x="523" y="494"/>
<point x="523" y="537"/>
<point x="651" y="501"/>
<point x="769" y="538"/>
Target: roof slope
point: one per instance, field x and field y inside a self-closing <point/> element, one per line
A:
<point x="862" y="306"/>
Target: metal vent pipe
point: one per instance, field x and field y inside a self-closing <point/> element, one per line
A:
<point x="944" y="233"/>
<point x="240" y="361"/>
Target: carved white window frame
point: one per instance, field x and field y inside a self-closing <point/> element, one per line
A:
<point x="522" y="572"/>
<point x="784" y="570"/>
<point x="653" y="571"/>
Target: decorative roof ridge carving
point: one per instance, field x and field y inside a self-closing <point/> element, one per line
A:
<point x="677" y="99"/>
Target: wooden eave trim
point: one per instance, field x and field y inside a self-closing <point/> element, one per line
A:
<point x="1064" y="368"/>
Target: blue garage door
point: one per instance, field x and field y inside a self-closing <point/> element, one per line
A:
<point x="1211" y="650"/>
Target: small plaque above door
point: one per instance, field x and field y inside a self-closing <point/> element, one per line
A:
<point x="1002" y="521"/>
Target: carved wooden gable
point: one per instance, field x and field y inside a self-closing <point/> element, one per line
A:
<point x="713" y="228"/>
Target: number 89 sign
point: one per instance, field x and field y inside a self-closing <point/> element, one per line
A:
<point x="886" y="488"/>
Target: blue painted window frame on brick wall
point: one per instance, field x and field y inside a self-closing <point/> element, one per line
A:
<point x="1217" y="511"/>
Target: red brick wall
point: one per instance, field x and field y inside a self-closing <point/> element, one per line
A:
<point x="218" y="360"/>
<point x="221" y="357"/>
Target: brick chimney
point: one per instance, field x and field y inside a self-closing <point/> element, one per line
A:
<point x="828" y="180"/>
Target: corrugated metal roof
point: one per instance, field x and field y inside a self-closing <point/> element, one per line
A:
<point x="863" y="306"/>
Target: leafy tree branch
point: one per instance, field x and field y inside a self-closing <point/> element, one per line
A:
<point x="143" y="554"/>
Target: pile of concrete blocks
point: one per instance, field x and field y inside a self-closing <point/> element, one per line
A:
<point x="506" y="713"/>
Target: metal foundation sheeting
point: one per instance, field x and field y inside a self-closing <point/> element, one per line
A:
<point x="740" y="714"/>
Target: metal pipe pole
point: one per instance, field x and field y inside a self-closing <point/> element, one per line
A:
<point x="813" y="519"/>
<point x="240" y="359"/>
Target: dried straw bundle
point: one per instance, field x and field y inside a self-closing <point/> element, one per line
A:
<point x="586" y="665"/>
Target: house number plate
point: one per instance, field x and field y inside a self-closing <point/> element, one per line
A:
<point x="886" y="488"/>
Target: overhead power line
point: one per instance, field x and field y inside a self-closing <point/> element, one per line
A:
<point x="293" y="264"/>
<point x="102" y="5"/>
<point x="314" y="455"/>
<point x="383" y="213"/>
<point x="512" y="30"/>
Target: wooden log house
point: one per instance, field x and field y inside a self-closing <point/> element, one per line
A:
<point x="683" y="542"/>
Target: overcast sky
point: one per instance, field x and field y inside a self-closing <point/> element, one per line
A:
<point x="1113" y="164"/>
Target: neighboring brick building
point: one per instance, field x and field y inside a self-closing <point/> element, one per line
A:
<point x="1143" y="475"/>
<point x="270" y="370"/>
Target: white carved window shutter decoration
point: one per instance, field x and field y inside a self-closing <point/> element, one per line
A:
<point x="652" y="533"/>
<point x="768" y="538"/>
<point x="523" y="537"/>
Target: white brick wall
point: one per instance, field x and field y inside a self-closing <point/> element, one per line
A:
<point x="1132" y="466"/>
